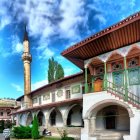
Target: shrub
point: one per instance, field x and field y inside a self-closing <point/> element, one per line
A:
<point x="22" y="132"/>
<point x="8" y="124"/>
<point x="35" y="132"/>
<point x="1" y="126"/>
<point x="64" y="135"/>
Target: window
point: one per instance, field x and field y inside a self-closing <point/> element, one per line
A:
<point x="40" y="100"/>
<point x="117" y="66"/>
<point x="8" y="113"/>
<point x="99" y="70"/>
<point x="133" y="62"/>
<point x="133" y="75"/>
<point x="1" y="113"/>
<point x="76" y="89"/>
<point x="68" y="94"/>
<point x="44" y="97"/>
<point x="133" y="71"/>
<point x="34" y="100"/>
<point x="53" y="96"/>
<point x="118" y="78"/>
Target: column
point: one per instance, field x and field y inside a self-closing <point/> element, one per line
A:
<point x="105" y="77"/>
<point x="64" y="122"/>
<point x="92" y="83"/>
<point x="47" y="123"/>
<point x="86" y="81"/>
<point x="93" y="125"/>
<point x="125" y="77"/>
<point x="86" y="126"/>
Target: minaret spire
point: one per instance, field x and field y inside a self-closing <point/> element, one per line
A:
<point x="25" y="34"/>
<point x="27" y="58"/>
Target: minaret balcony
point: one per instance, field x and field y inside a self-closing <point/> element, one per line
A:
<point x="26" y="57"/>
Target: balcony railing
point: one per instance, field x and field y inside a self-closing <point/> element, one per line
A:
<point x="121" y="91"/>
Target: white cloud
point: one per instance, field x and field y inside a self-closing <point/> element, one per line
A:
<point x="44" y="52"/>
<point x="73" y="15"/>
<point x="17" y="87"/>
<point x="39" y="84"/>
<point x="101" y="19"/>
<point x="46" y="18"/>
<point x="17" y="47"/>
<point x="5" y="21"/>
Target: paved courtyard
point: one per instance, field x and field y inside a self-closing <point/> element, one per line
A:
<point x="2" y="137"/>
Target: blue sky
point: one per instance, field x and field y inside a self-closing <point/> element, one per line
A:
<point x="53" y="25"/>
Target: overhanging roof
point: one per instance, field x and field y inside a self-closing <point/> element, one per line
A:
<point x="119" y="35"/>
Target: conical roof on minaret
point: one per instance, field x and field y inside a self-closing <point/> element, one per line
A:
<point x="25" y="34"/>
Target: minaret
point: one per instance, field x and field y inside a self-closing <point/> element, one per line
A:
<point x="27" y="58"/>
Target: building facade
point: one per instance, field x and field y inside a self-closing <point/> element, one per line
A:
<point x="102" y="102"/>
<point x="7" y="107"/>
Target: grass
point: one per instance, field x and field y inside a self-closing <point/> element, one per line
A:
<point x="51" y="138"/>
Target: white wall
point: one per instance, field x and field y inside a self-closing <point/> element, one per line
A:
<point x="76" y="117"/>
<point x="58" y="98"/>
<point x="59" y="120"/>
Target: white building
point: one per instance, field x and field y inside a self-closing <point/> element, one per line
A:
<point x="110" y="105"/>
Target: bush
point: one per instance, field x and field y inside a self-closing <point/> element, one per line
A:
<point x="64" y="135"/>
<point x="1" y="126"/>
<point x="35" y="132"/>
<point x="8" y="124"/>
<point x="22" y="132"/>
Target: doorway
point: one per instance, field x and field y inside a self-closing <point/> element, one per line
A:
<point x="98" y="85"/>
<point x="110" y="120"/>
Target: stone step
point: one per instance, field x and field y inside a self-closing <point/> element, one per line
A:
<point x="110" y="137"/>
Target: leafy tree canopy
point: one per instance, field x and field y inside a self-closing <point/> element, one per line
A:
<point x="55" y="70"/>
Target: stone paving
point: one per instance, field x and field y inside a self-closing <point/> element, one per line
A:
<point x="2" y="137"/>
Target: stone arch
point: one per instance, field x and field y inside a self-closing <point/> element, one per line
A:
<point x="22" y="118"/>
<point x="98" y="106"/>
<point x="29" y="118"/>
<point x="93" y="60"/>
<point x="41" y="117"/>
<point x="48" y="116"/>
<point x="73" y="115"/>
<point x="55" y="117"/>
<point x="114" y="53"/>
<point x="68" y="109"/>
<point x="133" y="47"/>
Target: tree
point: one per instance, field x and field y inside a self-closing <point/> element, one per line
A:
<point x="35" y="132"/>
<point x="59" y="72"/>
<point x="55" y="70"/>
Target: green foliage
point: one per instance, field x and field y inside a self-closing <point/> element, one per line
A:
<point x="55" y="70"/>
<point x="1" y="125"/>
<point x="35" y="132"/>
<point x="22" y="132"/>
<point x="8" y="124"/>
<point x="59" y="72"/>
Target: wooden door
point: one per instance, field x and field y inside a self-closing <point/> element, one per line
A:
<point x="98" y="85"/>
<point x="110" y="120"/>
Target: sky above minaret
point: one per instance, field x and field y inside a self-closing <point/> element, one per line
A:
<point x="52" y="25"/>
